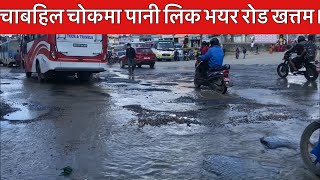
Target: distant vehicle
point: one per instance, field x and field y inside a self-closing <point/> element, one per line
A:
<point x="178" y="46"/>
<point x="138" y="44"/>
<point x="118" y="48"/>
<point x="164" y="50"/>
<point x="8" y="50"/>
<point x="121" y="53"/>
<point x="144" y="56"/>
<point x="150" y="44"/>
<point x="64" y="54"/>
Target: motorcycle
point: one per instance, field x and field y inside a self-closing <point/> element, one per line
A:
<point x="113" y="59"/>
<point x="191" y="57"/>
<point x="308" y="69"/>
<point x="310" y="147"/>
<point x="185" y="57"/>
<point x="216" y="79"/>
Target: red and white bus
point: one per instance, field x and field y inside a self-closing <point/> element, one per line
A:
<point x="65" y="54"/>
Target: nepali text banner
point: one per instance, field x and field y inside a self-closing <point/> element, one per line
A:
<point x="160" y="17"/>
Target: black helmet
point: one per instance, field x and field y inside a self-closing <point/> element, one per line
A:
<point x="214" y="42"/>
<point x="301" y="39"/>
<point x="311" y="37"/>
<point x="204" y="43"/>
<point x="128" y="44"/>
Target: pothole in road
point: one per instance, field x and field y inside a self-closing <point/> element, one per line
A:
<point x="167" y="84"/>
<point x="160" y="118"/>
<point x="26" y="112"/>
<point x="149" y="89"/>
<point x="227" y="167"/>
<point x="184" y="99"/>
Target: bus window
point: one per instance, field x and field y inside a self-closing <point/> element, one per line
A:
<point x="61" y="36"/>
<point x="98" y="37"/>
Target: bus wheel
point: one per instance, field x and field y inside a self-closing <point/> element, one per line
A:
<point x="28" y="74"/>
<point x="84" y="76"/>
<point x="40" y="75"/>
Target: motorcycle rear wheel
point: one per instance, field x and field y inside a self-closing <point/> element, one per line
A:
<point x="219" y="88"/>
<point x="222" y="89"/>
<point x="311" y="73"/>
<point x="304" y="147"/>
<point x="283" y="70"/>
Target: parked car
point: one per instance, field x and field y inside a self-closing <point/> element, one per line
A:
<point x="144" y="56"/>
<point x="121" y="53"/>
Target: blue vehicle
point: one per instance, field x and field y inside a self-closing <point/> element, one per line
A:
<point x="310" y="147"/>
<point x="178" y="46"/>
<point x="8" y="50"/>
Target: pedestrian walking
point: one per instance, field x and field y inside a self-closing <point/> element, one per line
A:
<point x="257" y="49"/>
<point x="244" y="51"/>
<point x="130" y="55"/>
<point x="237" y="53"/>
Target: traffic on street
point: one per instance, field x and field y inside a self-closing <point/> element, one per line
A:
<point x="146" y="111"/>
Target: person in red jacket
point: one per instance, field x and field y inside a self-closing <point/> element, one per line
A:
<point x="204" y="48"/>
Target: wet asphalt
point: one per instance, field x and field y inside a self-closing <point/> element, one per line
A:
<point x="155" y="125"/>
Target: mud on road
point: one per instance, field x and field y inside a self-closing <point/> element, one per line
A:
<point x="155" y="124"/>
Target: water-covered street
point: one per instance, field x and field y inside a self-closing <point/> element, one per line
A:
<point x="156" y="125"/>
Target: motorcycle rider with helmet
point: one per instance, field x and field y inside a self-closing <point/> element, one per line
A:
<point x="311" y="49"/>
<point x="213" y="58"/>
<point x="299" y="48"/>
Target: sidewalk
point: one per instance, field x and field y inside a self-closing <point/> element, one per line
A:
<point x="251" y="59"/>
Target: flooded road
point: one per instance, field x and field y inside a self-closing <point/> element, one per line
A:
<point x="156" y="125"/>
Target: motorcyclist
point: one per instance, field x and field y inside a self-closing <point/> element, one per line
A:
<point x="299" y="48"/>
<point x="214" y="57"/>
<point x="311" y="48"/>
<point x="191" y="54"/>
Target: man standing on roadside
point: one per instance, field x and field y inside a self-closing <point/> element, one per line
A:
<point x="252" y="46"/>
<point x="130" y="55"/>
<point x="17" y="58"/>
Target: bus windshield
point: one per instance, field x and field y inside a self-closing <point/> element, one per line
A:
<point x="165" y="45"/>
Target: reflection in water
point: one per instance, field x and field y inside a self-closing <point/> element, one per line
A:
<point x="24" y="114"/>
<point x="282" y="82"/>
<point x="296" y="83"/>
<point x="311" y="85"/>
<point x="131" y="76"/>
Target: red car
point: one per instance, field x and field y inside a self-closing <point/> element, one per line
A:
<point x="144" y="56"/>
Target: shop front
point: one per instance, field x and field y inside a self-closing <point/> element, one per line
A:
<point x="195" y="40"/>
